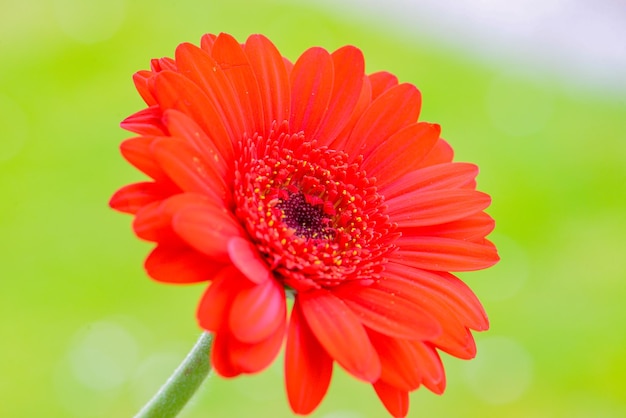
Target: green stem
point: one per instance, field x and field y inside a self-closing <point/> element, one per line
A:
<point x="182" y="384"/>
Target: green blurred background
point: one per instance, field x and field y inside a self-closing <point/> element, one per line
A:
<point x="84" y="333"/>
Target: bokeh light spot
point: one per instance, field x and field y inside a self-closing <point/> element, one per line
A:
<point x="501" y="372"/>
<point x="103" y="355"/>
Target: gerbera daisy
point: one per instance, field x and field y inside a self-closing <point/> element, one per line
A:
<point x="314" y="181"/>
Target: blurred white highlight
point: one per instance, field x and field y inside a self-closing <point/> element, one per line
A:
<point x="578" y="39"/>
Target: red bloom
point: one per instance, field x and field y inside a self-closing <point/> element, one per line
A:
<point x="313" y="180"/>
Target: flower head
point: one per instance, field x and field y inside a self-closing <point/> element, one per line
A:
<point x="314" y="180"/>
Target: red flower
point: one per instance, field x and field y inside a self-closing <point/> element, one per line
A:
<point x="312" y="180"/>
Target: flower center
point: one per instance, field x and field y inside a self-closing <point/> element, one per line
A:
<point x="314" y="216"/>
<point x="307" y="220"/>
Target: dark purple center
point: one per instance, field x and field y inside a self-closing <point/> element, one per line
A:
<point x="307" y="220"/>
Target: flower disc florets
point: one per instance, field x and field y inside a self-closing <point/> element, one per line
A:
<point x="315" y="216"/>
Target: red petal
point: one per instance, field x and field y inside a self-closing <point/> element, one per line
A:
<point x="381" y="82"/>
<point x="154" y="221"/>
<point x="247" y="259"/>
<point x="207" y="41"/>
<point x="163" y="64"/>
<point x="472" y="228"/>
<point x="252" y="358"/>
<point x="308" y="368"/>
<point x="207" y="229"/>
<point x="339" y="331"/>
<point x="399" y="154"/>
<point x="230" y="56"/>
<point x="257" y="312"/>
<point x="434" y="377"/>
<point x="180" y="265"/>
<point x="131" y="198"/>
<point x="137" y="152"/>
<point x="395" y="400"/>
<point x="288" y="66"/>
<point x="423" y="285"/>
<point x="400" y="362"/>
<point x="445" y="254"/>
<point x="423" y="208"/>
<point x="364" y="100"/>
<point x="153" y="224"/>
<point x="217" y="300"/>
<point x="182" y="126"/>
<point x="436" y="177"/>
<point x="145" y="122"/>
<point x="174" y="91"/>
<point x="454" y="337"/>
<point x="348" y="81"/>
<point x="188" y="170"/>
<point x="389" y="313"/>
<point x="140" y="78"/>
<point x="456" y="341"/>
<point x="311" y="88"/>
<point x="441" y="153"/>
<point x="221" y="355"/>
<point x="272" y="79"/>
<point x="389" y="113"/>
<point x="205" y="72"/>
